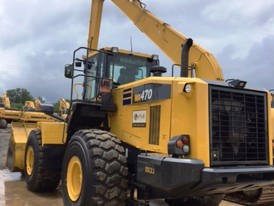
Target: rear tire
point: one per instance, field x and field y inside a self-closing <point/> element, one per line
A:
<point x="37" y="177"/>
<point x="94" y="170"/>
<point x="3" y="124"/>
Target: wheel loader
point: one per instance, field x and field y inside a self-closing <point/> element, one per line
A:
<point x="3" y="122"/>
<point x="175" y="138"/>
<point x="136" y="135"/>
<point x="5" y="103"/>
<point x="27" y="113"/>
<point x="63" y="107"/>
<point x="25" y="121"/>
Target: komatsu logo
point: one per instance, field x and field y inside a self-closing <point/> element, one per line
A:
<point x="36" y="117"/>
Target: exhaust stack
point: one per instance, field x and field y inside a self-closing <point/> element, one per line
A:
<point x="184" y="59"/>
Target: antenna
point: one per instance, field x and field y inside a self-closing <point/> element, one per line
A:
<point x="131" y="49"/>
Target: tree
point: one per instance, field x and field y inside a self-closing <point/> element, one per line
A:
<point x="19" y="95"/>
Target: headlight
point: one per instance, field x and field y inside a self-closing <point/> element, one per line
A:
<point x="187" y="88"/>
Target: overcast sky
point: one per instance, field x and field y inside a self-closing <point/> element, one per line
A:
<point x="37" y="38"/>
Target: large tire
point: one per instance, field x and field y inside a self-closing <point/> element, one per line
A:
<point x="37" y="177"/>
<point x="94" y="170"/>
<point x="3" y="124"/>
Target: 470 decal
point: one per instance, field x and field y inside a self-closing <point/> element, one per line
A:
<point x="151" y="92"/>
<point x="144" y="95"/>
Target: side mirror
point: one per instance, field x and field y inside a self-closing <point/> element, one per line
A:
<point x="69" y="71"/>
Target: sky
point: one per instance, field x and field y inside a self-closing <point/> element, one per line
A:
<point x="38" y="37"/>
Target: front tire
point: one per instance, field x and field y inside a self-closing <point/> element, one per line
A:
<point x="94" y="170"/>
<point x="37" y="177"/>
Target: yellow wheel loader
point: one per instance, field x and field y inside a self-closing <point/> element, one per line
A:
<point x="3" y="122"/>
<point x="21" y="128"/>
<point x="6" y="113"/>
<point x="176" y="138"/>
<point x="63" y="108"/>
<point x="136" y="135"/>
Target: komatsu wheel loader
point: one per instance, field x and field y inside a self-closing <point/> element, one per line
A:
<point x="32" y="111"/>
<point x="63" y="108"/>
<point x="3" y="105"/>
<point x="136" y="135"/>
<point x="26" y="120"/>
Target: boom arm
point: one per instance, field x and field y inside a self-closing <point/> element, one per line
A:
<point x="95" y="23"/>
<point x="169" y="40"/>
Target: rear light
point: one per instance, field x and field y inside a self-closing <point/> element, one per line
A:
<point x="185" y="140"/>
<point x="179" y="145"/>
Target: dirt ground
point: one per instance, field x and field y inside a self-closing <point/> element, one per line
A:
<point x="4" y="141"/>
<point x="13" y="190"/>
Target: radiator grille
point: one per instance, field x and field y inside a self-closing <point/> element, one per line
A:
<point x="154" y="128"/>
<point x="238" y="123"/>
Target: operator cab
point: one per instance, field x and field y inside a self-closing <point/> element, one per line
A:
<point x="97" y="75"/>
<point x="107" y="69"/>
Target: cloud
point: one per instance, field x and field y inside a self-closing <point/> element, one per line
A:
<point x="38" y="38"/>
<point x="256" y="67"/>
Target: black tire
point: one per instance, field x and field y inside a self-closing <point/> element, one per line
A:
<point x="211" y="200"/>
<point x="37" y="177"/>
<point x="3" y="124"/>
<point x="99" y="160"/>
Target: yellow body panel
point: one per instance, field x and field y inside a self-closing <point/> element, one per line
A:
<point x="272" y="117"/>
<point x="122" y="121"/>
<point x="272" y="114"/>
<point x="19" y="136"/>
<point x="182" y="113"/>
<point x="190" y="116"/>
<point x="52" y="132"/>
<point x="12" y="114"/>
<point x="2" y="113"/>
<point x="271" y="127"/>
<point x="28" y="116"/>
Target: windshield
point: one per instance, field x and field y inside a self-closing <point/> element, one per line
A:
<point x="126" y="68"/>
<point x="116" y="68"/>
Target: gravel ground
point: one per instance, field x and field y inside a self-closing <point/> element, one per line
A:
<point x="4" y="142"/>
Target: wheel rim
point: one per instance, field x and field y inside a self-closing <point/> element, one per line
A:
<point x="29" y="160"/>
<point x="74" y="178"/>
